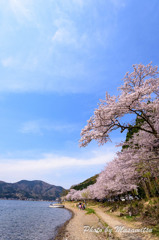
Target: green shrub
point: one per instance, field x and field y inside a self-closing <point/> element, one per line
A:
<point x="90" y="210"/>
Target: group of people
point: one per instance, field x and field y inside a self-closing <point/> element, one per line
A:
<point x="81" y="206"/>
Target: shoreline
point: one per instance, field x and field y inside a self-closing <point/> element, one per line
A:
<point x="83" y="226"/>
<point x="75" y="227"/>
<point x="61" y="230"/>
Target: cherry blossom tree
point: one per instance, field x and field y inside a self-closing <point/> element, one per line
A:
<point x="70" y="195"/>
<point x="138" y="96"/>
<point x="114" y="181"/>
<point x="144" y="155"/>
<point x="137" y="163"/>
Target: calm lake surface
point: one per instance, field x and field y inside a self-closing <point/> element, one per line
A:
<point x="28" y="220"/>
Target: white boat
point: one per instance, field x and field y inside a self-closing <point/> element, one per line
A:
<point x="56" y="205"/>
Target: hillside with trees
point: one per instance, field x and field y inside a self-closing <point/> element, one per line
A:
<point x="35" y="190"/>
<point x="86" y="183"/>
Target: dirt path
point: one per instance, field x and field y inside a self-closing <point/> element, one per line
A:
<point x="118" y="225"/>
<point x="83" y="227"/>
<point x="87" y="227"/>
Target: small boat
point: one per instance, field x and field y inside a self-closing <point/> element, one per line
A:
<point x="56" y="205"/>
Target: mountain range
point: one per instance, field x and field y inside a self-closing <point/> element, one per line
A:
<point x="35" y="190"/>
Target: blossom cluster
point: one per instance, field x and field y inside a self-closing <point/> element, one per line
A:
<point x="138" y="161"/>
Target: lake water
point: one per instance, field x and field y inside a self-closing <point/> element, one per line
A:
<point x="28" y="220"/>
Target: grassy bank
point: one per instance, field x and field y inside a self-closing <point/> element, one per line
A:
<point x="139" y="212"/>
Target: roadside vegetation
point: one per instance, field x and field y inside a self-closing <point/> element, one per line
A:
<point x="89" y="210"/>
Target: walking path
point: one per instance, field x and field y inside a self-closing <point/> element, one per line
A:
<point x="85" y="227"/>
<point x="118" y="225"/>
<point x="82" y="226"/>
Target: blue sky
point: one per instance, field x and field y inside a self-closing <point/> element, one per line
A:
<point x="57" y="59"/>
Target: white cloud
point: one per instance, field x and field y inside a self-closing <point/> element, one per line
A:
<point x="15" y="169"/>
<point x="40" y="126"/>
<point x="118" y="4"/>
<point x="62" y="35"/>
<point x="58" y="48"/>
<point x="31" y="127"/>
<point x="66" y="33"/>
<point x="58" y="82"/>
<point x="7" y="62"/>
<point x="79" y="2"/>
<point x="21" y="9"/>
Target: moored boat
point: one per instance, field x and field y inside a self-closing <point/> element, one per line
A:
<point x="56" y="205"/>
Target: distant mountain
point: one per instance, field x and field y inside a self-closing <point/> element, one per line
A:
<point x="36" y="190"/>
<point x="86" y="183"/>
